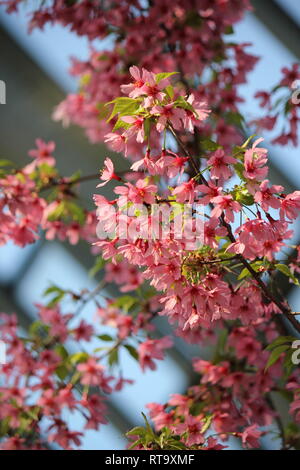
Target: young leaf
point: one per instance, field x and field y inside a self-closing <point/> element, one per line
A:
<point x="284" y="269"/>
<point x="161" y="76"/>
<point x="275" y="355"/>
<point x="113" y="357"/>
<point x="124" y="106"/>
<point x="105" y="337"/>
<point x="132" y="351"/>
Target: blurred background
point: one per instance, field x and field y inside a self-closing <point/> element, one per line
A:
<point x="35" y="70"/>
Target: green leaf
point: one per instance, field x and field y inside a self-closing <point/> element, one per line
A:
<point x="136" y="443"/>
<point x="242" y="195"/>
<point x="147" y="128"/>
<point x="121" y="125"/>
<point x="59" y="295"/>
<point x="235" y="118"/>
<point x="61" y="351"/>
<point x="229" y="29"/>
<point x="170" y="91"/>
<point x="105" y="337"/>
<point x="79" y="357"/>
<point x="6" y="163"/>
<point x="182" y="103"/>
<point x="246" y="143"/>
<point x="57" y="213"/>
<point x="124" y="106"/>
<point x="239" y="168"/>
<point x="210" y="145"/>
<point x="103" y="110"/>
<point x="275" y="355"/>
<point x="61" y="372"/>
<point x="161" y="76"/>
<point x="284" y="269"/>
<point x="132" y="351"/>
<point x="38" y="328"/>
<point x="208" y="420"/>
<point x="148" y="427"/>
<point x="280" y="340"/>
<point x="256" y="265"/>
<point x="113" y="357"/>
<point x="125" y="302"/>
<point x="99" y="264"/>
<point x="137" y="431"/>
<point x="76" y="212"/>
<point x="53" y="289"/>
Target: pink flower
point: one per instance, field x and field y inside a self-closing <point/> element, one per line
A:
<point x="190" y="119"/>
<point x="265" y="196"/>
<point x="219" y="163"/>
<point x="211" y="191"/>
<point x="264" y="97"/>
<point x="156" y="165"/>
<point x="227" y="204"/>
<point x="116" y="142"/>
<point x="108" y="173"/>
<point x="140" y="77"/>
<point x="185" y="192"/>
<point x="83" y="332"/>
<point x="65" y="438"/>
<point x="43" y="153"/>
<point x="153" y="90"/>
<point x="250" y="436"/>
<point x="211" y="231"/>
<point x="153" y="349"/>
<point x="290" y="75"/>
<point x="141" y="192"/>
<point x="192" y="428"/>
<point x="136" y="128"/>
<point x="255" y="161"/>
<point x="168" y="113"/>
<point x="48" y="401"/>
<point x="176" y="166"/>
<point x="91" y="372"/>
<point x="290" y="206"/>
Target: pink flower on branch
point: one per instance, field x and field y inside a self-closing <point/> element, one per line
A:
<point x="108" y="173"/>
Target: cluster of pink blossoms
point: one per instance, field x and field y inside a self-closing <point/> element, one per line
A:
<point x="220" y="285"/>
<point x="24" y="209"/>
<point x="285" y="95"/>
<point x="190" y="36"/>
<point x="165" y="262"/>
<point x="45" y="380"/>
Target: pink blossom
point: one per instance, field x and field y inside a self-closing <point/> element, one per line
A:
<point x="116" y="142"/>
<point x="136" y="128"/>
<point x="290" y="205"/>
<point x="227" y="204"/>
<point x="168" y="113"/>
<point x="108" y="173"/>
<point x="192" y="428"/>
<point x="255" y="161"/>
<point x="152" y="349"/>
<point x="265" y="196"/>
<point x="43" y="153"/>
<point x="185" y="192"/>
<point x="140" y="77"/>
<point x="191" y="119"/>
<point x="219" y="162"/>
<point x="250" y="436"/>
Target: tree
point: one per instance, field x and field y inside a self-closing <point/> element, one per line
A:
<point x="195" y="232"/>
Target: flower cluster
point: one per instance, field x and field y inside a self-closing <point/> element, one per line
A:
<point x="194" y="231"/>
<point x="45" y="379"/>
<point x="195" y="292"/>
